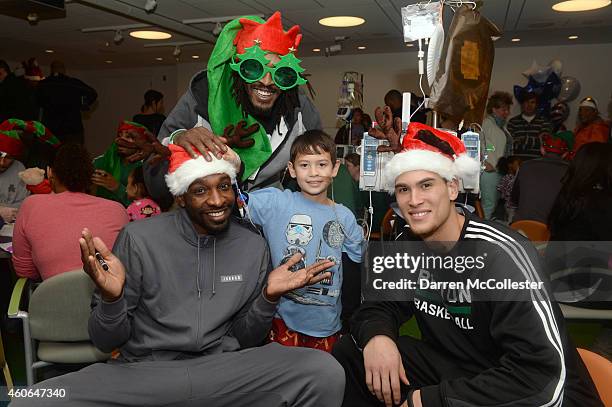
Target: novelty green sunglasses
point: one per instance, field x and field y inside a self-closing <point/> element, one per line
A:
<point x="252" y="66"/>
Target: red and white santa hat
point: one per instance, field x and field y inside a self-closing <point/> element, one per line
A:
<point x="429" y="149"/>
<point x="183" y="169"/>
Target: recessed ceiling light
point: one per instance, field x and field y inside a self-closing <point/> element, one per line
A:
<point x="159" y="59"/>
<point x="316" y="50"/>
<point x="516" y="40"/>
<point x="572" y="37"/>
<point x="151" y="35"/>
<point x="195" y="56"/>
<point x="409" y="44"/>
<point x="361" y="47"/>
<point x="580" y="5"/>
<point x="108" y="61"/>
<point x="49" y="51"/>
<point x="341" y="21"/>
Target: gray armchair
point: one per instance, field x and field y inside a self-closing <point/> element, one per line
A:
<point x="55" y="325"/>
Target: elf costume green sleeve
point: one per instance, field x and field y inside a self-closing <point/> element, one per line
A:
<point x="112" y="163"/>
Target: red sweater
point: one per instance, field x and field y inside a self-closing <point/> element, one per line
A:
<point x="48" y="228"/>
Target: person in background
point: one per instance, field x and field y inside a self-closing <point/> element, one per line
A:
<point x="591" y="127"/>
<point x="12" y="189"/>
<point x="394" y="100"/>
<point x="558" y="115"/>
<point x="583" y="208"/>
<point x="115" y="165"/>
<point x="508" y="167"/>
<point x="526" y="127"/>
<point x="494" y="142"/>
<point x="49" y="224"/>
<point x="152" y="112"/>
<point x="356" y="126"/>
<point x="16" y="97"/>
<point x="539" y="181"/>
<point x="142" y="205"/>
<point x="62" y="98"/>
<point x="580" y="232"/>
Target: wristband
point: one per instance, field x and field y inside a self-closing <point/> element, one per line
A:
<point x="176" y="133"/>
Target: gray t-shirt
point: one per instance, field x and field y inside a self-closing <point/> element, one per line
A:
<point x="12" y="189"/>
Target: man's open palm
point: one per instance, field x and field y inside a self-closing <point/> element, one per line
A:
<point x="110" y="282"/>
<point x="281" y="280"/>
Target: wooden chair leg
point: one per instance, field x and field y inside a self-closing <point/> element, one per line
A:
<point x="5" y="368"/>
<point x="7" y="376"/>
<point x="479" y="210"/>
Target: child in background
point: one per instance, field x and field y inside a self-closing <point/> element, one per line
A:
<point x="310" y="223"/>
<point x="142" y="205"/>
<point x="508" y="166"/>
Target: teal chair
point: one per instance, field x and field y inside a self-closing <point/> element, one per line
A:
<point x="55" y="324"/>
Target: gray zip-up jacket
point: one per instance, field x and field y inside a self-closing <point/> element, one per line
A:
<point x="185" y="294"/>
<point x="192" y="110"/>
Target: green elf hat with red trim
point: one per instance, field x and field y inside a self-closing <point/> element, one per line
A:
<point x="270" y="36"/>
<point x="127" y="125"/>
<point x="10" y="135"/>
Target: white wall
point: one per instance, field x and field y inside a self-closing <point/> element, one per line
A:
<point x="120" y="96"/>
<point x="120" y="90"/>
<point x="381" y="73"/>
<point x="590" y="64"/>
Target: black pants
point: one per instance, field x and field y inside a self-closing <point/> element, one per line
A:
<point x="424" y="366"/>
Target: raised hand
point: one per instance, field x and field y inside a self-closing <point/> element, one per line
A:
<point x="237" y="136"/>
<point x="110" y="282"/>
<point x="8" y="214"/>
<point x="104" y="179"/>
<point x="389" y="129"/>
<point x="384" y="369"/>
<point x="202" y="140"/>
<point x="281" y="280"/>
<point x="143" y="145"/>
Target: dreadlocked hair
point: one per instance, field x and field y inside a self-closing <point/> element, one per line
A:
<point x="428" y="137"/>
<point x="284" y="106"/>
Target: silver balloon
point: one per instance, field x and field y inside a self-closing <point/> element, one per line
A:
<point x="570" y="89"/>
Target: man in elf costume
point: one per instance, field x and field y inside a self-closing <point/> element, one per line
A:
<point x="248" y="98"/>
<point x="118" y="161"/>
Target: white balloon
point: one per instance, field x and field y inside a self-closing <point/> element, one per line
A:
<point x="539" y="72"/>
<point x="557" y="67"/>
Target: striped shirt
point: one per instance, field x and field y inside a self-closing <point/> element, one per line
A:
<point x="526" y="135"/>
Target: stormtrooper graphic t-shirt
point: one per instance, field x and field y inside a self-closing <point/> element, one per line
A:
<point x="294" y="224"/>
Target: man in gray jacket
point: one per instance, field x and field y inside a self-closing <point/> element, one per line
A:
<point x="252" y="77"/>
<point x="187" y="297"/>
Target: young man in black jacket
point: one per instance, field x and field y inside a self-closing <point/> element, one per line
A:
<point x="495" y="350"/>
